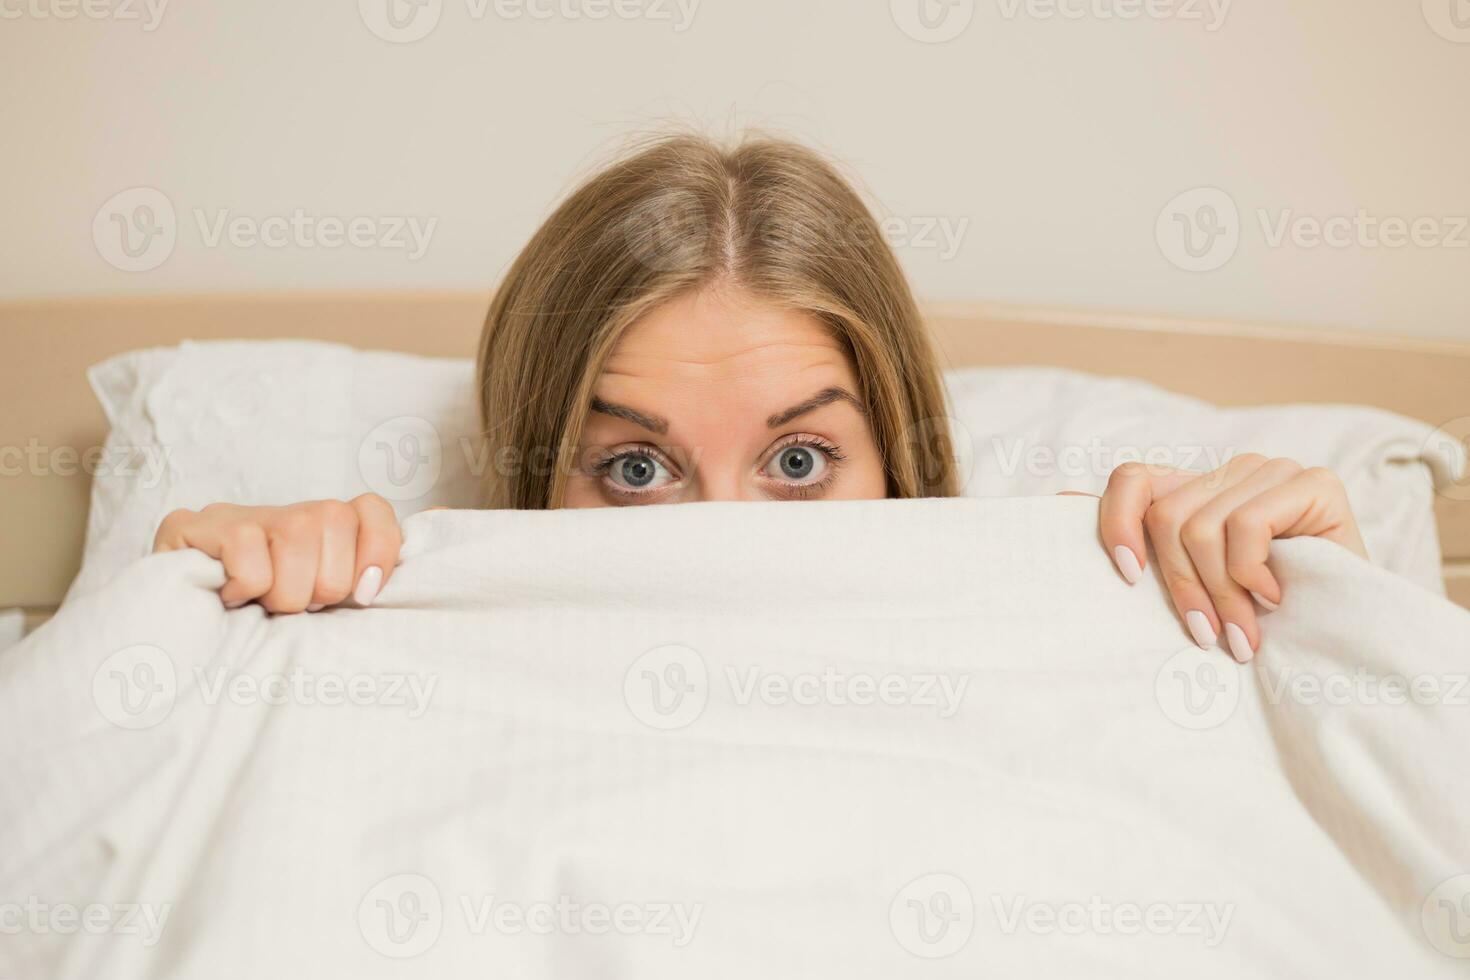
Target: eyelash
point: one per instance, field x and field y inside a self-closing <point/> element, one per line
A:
<point x="605" y="462"/>
<point x="835" y="459"/>
<point x="800" y="491"/>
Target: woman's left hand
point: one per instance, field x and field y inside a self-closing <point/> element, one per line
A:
<point x="1212" y="533"/>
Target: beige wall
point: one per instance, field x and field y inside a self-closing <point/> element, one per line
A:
<point x="1045" y="147"/>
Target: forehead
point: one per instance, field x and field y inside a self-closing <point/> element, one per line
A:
<point x="724" y="336"/>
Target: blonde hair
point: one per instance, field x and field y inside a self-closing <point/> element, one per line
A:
<point x="684" y="213"/>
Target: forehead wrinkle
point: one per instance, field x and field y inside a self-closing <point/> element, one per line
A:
<point x="760" y="352"/>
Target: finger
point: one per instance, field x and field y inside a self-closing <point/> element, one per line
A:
<point x="1311" y="503"/>
<point x="246" y="557"/>
<point x="203" y="531"/>
<point x="1132" y="489"/>
<point x="378" y="542"/>
<point x="1165" y="522"/>
<point x="337" y="567"/>
<point x="295" y="546"/>
<point x="1204" y="536"/>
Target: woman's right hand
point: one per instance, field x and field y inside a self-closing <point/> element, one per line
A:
<point x="303" y="557"/>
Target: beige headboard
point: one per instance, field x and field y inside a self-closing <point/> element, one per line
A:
<point x="45" y="346"/>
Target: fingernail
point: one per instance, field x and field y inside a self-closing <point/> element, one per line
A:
<point x="316" y="607"/>
<point x="235" y="603"/>
<point x="1128" y="564"/>
<point x="1265" y="603"/>
<point x="1200" y="629"/>
<point x="1239" y="645"/>
<point x="368" y="585"/>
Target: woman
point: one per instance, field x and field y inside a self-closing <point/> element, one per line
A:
<point x="701" y="323"/>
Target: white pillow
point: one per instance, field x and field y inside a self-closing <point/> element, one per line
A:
<point x="274" y="422"/>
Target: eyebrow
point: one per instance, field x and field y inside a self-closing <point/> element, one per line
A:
<point x="824" y="397"/>
<point x="656" y="423"/>
<point x="652" y="423"/>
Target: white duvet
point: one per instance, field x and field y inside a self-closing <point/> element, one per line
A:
<point x="883" y="739"/>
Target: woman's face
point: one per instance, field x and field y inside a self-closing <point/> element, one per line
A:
<point x="717" y="396"/>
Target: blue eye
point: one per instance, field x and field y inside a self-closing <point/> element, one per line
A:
<point x="637" y="471"/>
<point x="797" y="464"/>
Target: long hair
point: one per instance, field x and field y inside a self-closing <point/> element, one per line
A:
<point x="683" y="213"/>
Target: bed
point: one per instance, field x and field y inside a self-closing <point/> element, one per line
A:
<point x="937" y="734"/>
<point x="49" y="409"/>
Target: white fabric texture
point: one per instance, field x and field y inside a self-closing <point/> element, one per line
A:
<point x="842" y="740"/>
<point x="275" y="422"/>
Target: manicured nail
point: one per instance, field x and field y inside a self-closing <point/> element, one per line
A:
<point x="1265" y="603"/>
<point x="1239" y="645"/>
<point x="1200" y="629"/>
<point x="368" y="585"/>
<point x="316" y="607"/>
<point x="1128" y="564"/>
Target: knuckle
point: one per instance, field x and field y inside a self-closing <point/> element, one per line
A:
<point x="1323" y="477"/>
<point x="239" y="535"/>
<point x="1131" y="470"/>
<point x="1281" y="466"/>
<point x="175" y="519"/>
<point x="255" y="579"/>
<point x="1163" y="518"/>
<point x="1197" y="533"/>
<point x="1180" y="582"/>
<point x="296" y="521"/>
<point x="1240" y="570"/>
<point x="335" y="514"/>
<point x="172" y="526"/>
<point x="371" y="505"/>
<point x="1244" y="523"/>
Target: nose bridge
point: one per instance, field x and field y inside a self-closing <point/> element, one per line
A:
<point x="722" y="476"/>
